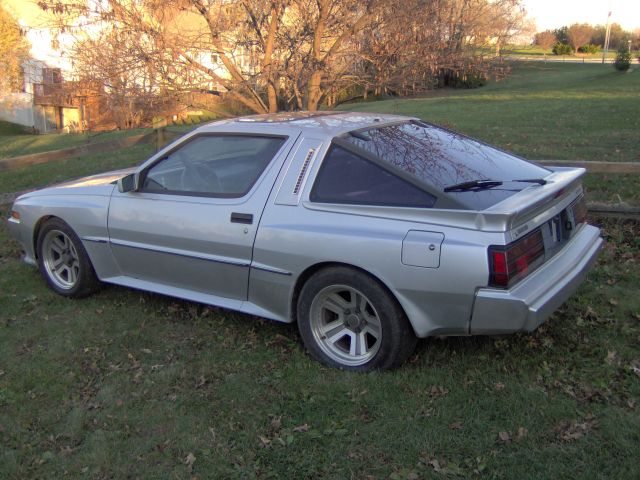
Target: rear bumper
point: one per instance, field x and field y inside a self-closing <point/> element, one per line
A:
<point x="530" y="303"/>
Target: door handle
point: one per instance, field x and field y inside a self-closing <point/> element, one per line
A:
<point x="246" y="218"/>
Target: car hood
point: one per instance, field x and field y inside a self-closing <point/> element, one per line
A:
<point x="100" y="184"/>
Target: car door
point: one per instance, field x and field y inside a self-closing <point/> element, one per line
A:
<point x="192" y="221"/>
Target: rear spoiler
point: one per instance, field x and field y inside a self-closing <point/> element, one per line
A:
<point x="531" y="204"/>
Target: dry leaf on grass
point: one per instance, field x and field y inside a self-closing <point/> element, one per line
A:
<point x="613" y="358"/>
<point x="436" y="391"/>
<point x="276" y="423"/>
<point x="201" y="381"/>
<point x="301" y="428"/>
<point x="264" y="441"/>
<point x="189" y="461"/>
<point x="571" y="431"/>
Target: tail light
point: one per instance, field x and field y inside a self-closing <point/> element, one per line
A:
<point x="511" y="263"/>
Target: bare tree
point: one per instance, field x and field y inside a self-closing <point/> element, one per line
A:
<point x="14" y="50"/>
<point x="112" y="67"/>
<point x="545" y="40"/>
<point x="579" y="34"/>
<point x="295" y="54"/>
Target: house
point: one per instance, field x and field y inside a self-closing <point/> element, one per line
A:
<point x="47" y="103"/>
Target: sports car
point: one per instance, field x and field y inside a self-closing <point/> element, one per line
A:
<point x="368" y="230"/>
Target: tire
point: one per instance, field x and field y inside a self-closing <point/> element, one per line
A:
<point x="63" y="261"/>
<point x="349" y="321"/>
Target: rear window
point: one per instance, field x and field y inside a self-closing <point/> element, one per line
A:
<point x="442" y="158"/>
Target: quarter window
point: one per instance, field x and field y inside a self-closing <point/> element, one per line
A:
<point x="213" y="165"/>
<point x="345" y="177"/>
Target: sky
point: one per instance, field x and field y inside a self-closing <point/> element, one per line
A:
<point x="550" y="14"/>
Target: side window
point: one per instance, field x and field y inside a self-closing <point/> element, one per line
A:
<point x="213" y="165"/>
<point x="345" y="177"/>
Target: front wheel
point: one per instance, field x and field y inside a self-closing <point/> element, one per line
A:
<point x="348" y="320"/>
<point x="63" y="261"/>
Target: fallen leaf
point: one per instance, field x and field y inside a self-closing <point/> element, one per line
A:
<point x="189" y="461"/>
<point x="264" y="441"/>
<point x="435" y="465"/>
<point x="498" y="386"/>
<point x="301" y="428"/>
<point x="635" y="366"/>
<point x="201" y="381"/>
<point x="522" y="432"/>
<point x="456" y="426"/>
<point x="570" y="431"/>
<point x="276" y="423"/>
<point x="66" y="450"/>
<point x="146" y="350"/>
<point x="504" y="437"/>
<point x="436" y="391"/>
<point x="612" y="358"/>
<point x="119" y="403"/>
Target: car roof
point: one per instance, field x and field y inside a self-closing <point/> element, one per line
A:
<point x="323" y="123"/>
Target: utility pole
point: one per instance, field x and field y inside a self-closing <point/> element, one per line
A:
<point x="606" y="38"/>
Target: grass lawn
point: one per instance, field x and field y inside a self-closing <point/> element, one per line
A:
<point x="135" y="385"/>
<point x="14" y="143"/>
<point x="57" y="171"/>
<point x="546" y="111"/>
<point x="127" y="384"/>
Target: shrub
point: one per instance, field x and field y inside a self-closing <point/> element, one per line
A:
<point x="589" y="48"/>
<point x="453" y="79"/>
<point x="623" y="60"/>
<point x="562" y="49"/>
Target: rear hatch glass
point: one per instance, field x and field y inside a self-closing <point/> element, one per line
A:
<point x="441" y="158"/>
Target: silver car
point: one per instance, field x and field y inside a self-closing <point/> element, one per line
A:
<point x="369" y="231"/>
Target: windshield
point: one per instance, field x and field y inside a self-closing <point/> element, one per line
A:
<point x="442" y="158"/>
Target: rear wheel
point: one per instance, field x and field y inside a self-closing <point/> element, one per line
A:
<point x="63" y="261"/>
<point x="349" y="321"/>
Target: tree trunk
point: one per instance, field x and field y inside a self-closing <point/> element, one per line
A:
<point x="315" y="91"/>
<point x="273" y="98"/>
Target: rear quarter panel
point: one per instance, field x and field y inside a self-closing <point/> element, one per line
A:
<point x="436" y="300"/>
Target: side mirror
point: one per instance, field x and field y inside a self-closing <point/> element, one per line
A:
<point x="128" y="183"/>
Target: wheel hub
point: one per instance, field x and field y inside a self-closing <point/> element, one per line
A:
<point x="67" y="259"/>
<point x="353" y="321"/>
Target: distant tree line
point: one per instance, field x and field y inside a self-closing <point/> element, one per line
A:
<point x="586" y="38"/>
